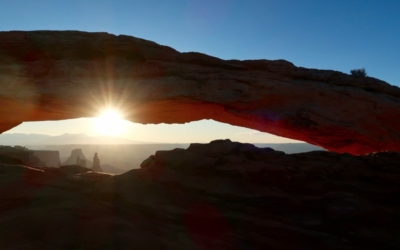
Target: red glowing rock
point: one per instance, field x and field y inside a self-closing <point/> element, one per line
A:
<point x="56" y="75"/>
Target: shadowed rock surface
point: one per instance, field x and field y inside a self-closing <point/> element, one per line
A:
<point x="19" y="155"/>
<point x="221" y="195"/>
<point x="50" y="157"/>
<point x="55" y="75"/>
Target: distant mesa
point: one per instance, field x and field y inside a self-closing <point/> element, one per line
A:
<point x="77" y="157"/>
<point x="56" y="75"/>
<point x="18" y="155"/>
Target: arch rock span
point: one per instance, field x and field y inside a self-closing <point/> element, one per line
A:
<point x="55" y="75"/>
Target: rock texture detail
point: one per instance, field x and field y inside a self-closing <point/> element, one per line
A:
<point x="55" y="75"/>
<point x="222" y="195"/>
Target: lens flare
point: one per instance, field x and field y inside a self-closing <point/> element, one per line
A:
<point x="110" y="122"/>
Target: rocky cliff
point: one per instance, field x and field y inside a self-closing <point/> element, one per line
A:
<point x="55" y="75"/>
<point x="221" y="195"/>
<point x="76" y="154"/>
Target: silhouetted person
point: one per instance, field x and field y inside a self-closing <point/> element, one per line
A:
<point x="77" y="160"/>
<point x="96" y="164"/>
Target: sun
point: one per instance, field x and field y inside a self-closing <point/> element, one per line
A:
<point x="110" y="122"/>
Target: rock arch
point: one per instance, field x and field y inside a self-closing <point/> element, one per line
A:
<point x="55" y="75"/>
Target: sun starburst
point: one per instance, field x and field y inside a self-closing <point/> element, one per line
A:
<point x="110" y="122"/>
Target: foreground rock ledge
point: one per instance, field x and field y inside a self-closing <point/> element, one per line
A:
<point x="222" y="195"/>
<point x="55" y="75"/>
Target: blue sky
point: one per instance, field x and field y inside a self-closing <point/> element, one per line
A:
<point x="339" y="35"/>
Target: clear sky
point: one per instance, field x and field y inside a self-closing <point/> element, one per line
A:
<point x="336" y="34"/>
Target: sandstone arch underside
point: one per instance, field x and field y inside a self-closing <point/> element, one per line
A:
<point x="55" y="75"/>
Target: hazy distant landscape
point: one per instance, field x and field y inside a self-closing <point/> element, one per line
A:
<point x="119" y="154"/>
<point x="37" y="140"/>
